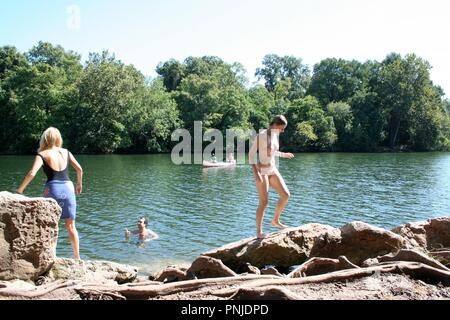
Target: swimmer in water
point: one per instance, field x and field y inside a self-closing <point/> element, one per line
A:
<point x="143" y="232"/>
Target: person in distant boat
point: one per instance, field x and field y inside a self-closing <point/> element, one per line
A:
<point x="55" y="161"/>
<point x="142" y="232"/>
<point x="266" y="173"/>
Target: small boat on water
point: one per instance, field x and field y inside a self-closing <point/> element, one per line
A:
<point x="209" y="164"/>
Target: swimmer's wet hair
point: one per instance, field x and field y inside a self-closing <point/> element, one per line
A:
<point x="145" y="220"/>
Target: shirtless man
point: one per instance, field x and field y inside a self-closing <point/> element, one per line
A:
<point x="143" y="232"/>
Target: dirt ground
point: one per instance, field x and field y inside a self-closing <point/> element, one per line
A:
<point x="376" y="287"/>
<point x="385" y="286"/>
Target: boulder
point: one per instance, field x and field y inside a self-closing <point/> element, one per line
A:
<point x="207" y="267"/>
<point x="357" y="241"/>
<point x="90" y="271"/>
<point x="286" y="248"/>
<point x="28" y="236"/>
<point x="360" y="241"/>
<point x="170" y="274"/>
<point x="430" y="234"/>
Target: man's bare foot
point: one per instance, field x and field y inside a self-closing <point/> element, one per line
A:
<point x="278" y="224"/>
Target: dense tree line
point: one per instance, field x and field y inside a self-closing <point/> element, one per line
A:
<point x="105" y="106"/>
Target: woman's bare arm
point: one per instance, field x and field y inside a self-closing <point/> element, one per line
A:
<point x="252" y="158"/>
<point x="286" y="155"/>
<point x="37" y="164"/>
<point x="79" y="171"/>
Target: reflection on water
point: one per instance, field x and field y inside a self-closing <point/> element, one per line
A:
<point x="194" y="209"/>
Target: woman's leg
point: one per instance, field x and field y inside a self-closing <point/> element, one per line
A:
<point x="263" y="193"/>
<point x="73" y="237"/>
<point x="276" y="181"/>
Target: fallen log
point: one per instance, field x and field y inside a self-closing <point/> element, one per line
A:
<point x="152" y="291"/>
<point x="413" y="256"/>
<point x="318" y="265"/>
<point x="251" y="285"/>
<point x="37" y="292"/>
<point x="413" y="269"/>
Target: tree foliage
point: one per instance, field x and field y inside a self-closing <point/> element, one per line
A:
<point x="106" y="106"/>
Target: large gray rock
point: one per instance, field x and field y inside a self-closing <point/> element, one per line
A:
<point x="357" y="241"/>
<point x="90" y="271"/>
<point x="360" y="241"/>
<point x="28" y="236"/>
<point x="286" y="248"/>
<point x="207" y="267"/>
<point x="430" y="234"/>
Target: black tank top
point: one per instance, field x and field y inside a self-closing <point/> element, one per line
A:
<point x="56" y="175"/>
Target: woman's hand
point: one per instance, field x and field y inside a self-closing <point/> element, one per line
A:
<point x="79" y="188"/>
<point x="257" y="174"/>
<point x="289" y="155"/>
<point x="259" y="178"/>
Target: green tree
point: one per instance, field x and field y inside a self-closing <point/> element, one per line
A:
<point x="289" y="69"/>
<point x="109" y="96"/>
<point x="213" y="92"/>
<point x="155" y="118"/>
<point x="403" y="84"/>
<point x="310" y="128"/>
<point x="335" y="80"/>
<point x="10" y="61"/>
<point x="41" y="91"/>
<point x="370" y="120"/>
<point x="342" y="115"/>
<point x="261" y="102"/>
<point x="172" y="72"/>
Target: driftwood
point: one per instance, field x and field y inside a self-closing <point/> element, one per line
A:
<point x="249" y="287"/>
<point x="37" y="292"/>
<point x="145" y="291"/>
<point x="442" y="255"/>
<point x="171" y="274"/>
<point x="413" y="269"/>
<point x="414" y="256"/>
<point x="317" y="265"/>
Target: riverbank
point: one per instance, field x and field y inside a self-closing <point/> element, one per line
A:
<point x="314" y="261"/>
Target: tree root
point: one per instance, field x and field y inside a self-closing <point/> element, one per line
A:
<point x="317" y="265"/>
<point x="37" y="292"/>
<point x="413" y="256"/>
<point x="248" y="287"/>
<point x="413" y="269"/>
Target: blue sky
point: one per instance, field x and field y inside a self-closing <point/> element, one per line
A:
<point x="145" y="33"/>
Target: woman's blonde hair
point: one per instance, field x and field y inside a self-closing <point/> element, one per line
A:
<point x="50" y="138"/>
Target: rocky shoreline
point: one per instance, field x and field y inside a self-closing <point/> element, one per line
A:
<point x="314" y="261"/>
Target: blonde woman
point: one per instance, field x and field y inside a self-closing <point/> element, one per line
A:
<point x="55" y="161"/>
<point x="266" y="173"/>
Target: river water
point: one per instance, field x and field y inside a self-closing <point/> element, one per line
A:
<point x="195" y="209"/>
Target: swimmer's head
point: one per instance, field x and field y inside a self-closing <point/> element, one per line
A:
<point x="142" y="222"/>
